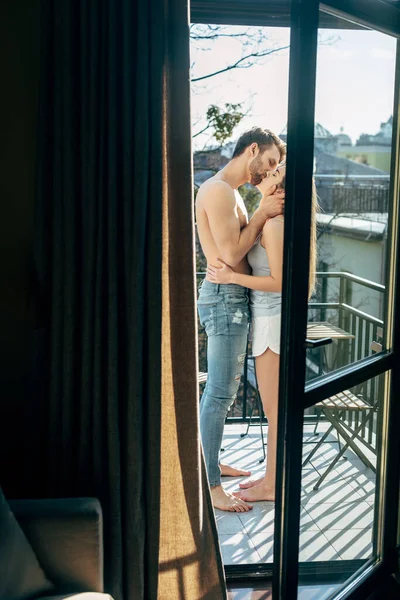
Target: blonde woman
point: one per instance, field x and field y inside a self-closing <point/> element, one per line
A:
<point x="265" y="285"/>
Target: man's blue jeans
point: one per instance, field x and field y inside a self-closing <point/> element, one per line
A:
<point x="224" y="313"/>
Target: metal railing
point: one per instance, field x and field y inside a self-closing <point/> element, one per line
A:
<point x="333" y="304"/>
<point x="353" y="194"/>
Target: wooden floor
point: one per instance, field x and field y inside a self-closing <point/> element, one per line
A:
<point x="336" y="521"/>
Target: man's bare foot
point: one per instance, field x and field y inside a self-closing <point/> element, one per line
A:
<point x="250" y="483"/>
<point x="226" y="501"/>
<point x="228" y="471"/>
<point x="257" y="493"/>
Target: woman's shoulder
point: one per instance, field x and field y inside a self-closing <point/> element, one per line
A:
<point x="274" y="222"/>
<point x="270" y="226"/>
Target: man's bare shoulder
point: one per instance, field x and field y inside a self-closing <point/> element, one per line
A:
<point x="213" y="190"/>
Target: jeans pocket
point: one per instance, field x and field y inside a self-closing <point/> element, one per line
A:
<point x="208" y="317"/>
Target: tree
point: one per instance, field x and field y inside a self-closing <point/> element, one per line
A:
<point x="253" y="42"/>
<point x="222" y="123"/>
<point x="251" y="197"/>
<point x="253" y="47"/>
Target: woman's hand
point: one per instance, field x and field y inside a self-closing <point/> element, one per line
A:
<point x="224" y="274"/>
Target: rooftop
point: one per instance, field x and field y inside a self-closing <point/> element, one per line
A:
<point x="367" y="226"/>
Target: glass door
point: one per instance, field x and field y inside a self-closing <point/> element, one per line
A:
<point x="337" y="474"/>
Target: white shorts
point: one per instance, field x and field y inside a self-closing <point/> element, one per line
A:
<point x="265" y="333"/>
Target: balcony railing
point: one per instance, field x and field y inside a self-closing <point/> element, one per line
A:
<point x="353" y="194"/>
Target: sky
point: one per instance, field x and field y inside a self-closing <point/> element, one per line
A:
<point x="354" y="90"/>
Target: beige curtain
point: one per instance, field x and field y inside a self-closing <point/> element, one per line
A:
<point x="190" y="562"/>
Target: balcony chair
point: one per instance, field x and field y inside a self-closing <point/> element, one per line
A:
<point x="334" y="409"/>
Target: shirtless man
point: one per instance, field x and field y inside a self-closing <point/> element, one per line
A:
<point x="225" y="232"/>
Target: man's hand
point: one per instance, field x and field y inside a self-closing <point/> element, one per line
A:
<point x="273" y="202"/>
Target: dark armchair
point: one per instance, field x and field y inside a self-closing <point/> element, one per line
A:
<point x="67" y="538"/>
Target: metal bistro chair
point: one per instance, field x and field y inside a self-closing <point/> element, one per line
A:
<point x="334" y="409"/>
<point x="256" y="404"/>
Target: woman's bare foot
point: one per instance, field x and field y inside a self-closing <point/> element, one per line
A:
<point x="257" y="493"/>
<point x="226" y="501"/>
<point x="228" y="471"/>
<point x="250" y="483"/>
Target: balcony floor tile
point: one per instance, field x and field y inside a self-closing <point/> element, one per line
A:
<point x="335" y="521"/>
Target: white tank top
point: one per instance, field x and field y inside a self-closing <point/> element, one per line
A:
<point x="262" y="304"/>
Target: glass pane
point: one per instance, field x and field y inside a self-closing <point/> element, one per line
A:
<point x="228" y="100"/>
<point x="341" y="448"/>
<point x="353" y="144"/>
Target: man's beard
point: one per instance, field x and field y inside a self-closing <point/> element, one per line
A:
<point x="257" y="174"/>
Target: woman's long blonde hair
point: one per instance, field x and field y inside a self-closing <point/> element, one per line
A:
<point x="313" y="240"/>
<point x="313" y="235"/>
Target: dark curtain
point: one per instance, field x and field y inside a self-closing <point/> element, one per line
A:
<point x="114" y="249"/>
<point x="20" y="413"/>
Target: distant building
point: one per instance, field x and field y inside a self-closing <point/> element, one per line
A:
<point x="323" y="139"/>
<point x="334" y="164"/>
<point x="371" y="150"/>
<point x="343" y="139"/>
<point x="333" y="154"/>
<point x="354" y="243"/>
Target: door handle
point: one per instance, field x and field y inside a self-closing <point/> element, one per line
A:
<point x="317" y="343"/>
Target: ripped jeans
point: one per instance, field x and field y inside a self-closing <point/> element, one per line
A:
<point x="224" y="313"/>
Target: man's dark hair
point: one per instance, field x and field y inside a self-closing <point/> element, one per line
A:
<point x="263" y="137"/>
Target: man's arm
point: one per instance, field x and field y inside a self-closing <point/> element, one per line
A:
<point x="220" y="206"/>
